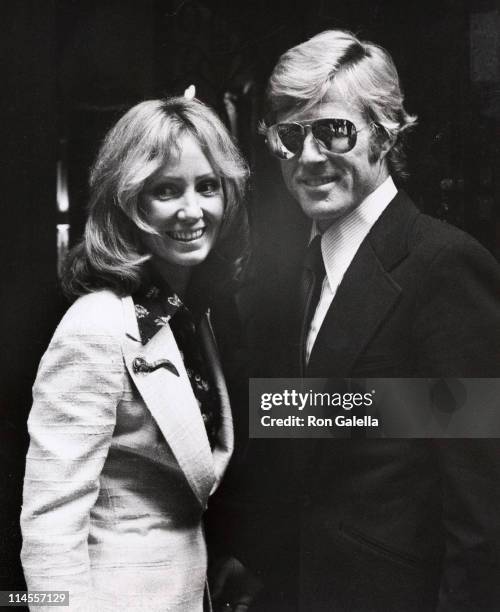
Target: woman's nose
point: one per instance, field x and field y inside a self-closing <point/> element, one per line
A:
<point x="190" y="209"/>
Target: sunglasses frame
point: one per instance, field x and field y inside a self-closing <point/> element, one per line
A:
<point x="272" y="135"/>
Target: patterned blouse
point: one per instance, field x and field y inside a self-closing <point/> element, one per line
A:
<point x="155" y="308"/>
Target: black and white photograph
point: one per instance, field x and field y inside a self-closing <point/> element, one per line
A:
<point x="250" y="306"/>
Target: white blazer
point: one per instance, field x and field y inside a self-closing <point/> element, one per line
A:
<point x="119" y="468"/>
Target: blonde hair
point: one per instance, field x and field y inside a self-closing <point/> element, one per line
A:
<point x="359" y="72"/>
<point x="111" y="254"/>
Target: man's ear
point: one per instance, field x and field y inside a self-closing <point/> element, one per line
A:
<point x="386" y="145"/>
<point x="385" y="141"/>
<point x="381" y="143"/>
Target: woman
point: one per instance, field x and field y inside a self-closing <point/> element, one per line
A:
<point x="130" y="427"/>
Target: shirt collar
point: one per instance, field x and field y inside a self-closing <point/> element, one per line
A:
<point x="342" y="239"/>
<point x="154" y="308"/>
<point x="156" y="303"/>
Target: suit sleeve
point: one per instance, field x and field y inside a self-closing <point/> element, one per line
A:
<point x="78" y="386"/>
<point x="459" y="335"/>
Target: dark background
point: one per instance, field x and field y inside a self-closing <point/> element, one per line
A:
<point x="71" y="68"/>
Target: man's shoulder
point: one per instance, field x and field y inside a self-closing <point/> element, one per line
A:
<point x="428" y="236"/>
<point x="403" y="232"/>
<point x="431" y="236"/>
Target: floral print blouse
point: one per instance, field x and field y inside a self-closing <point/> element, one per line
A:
<point x="155" y="308"/>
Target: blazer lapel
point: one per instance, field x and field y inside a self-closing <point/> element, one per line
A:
<point x="366" y="294"/>
<point x="172" y="403"/>
<point x="225" y="440"/>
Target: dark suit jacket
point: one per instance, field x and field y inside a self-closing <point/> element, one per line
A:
<point x="386" y="525"/>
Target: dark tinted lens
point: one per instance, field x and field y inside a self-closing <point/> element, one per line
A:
<point x="336" y="135"/>
<point x="291" y="136"/>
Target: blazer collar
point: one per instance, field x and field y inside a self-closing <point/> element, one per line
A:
<point x="366" y="294"/>
<point x="173" y="405"/>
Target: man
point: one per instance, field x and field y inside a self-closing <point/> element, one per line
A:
<point x="366" y="525"/>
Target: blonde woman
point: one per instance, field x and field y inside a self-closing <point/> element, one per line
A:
<point x="131" y="428"/>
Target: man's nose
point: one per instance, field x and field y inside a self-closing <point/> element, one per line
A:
<point x="311" y="151"/>
<point x="190" y="209"/>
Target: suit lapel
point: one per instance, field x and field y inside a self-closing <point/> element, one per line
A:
<point x="363" y="299"/>
<point x="366" y="294"/>
<point x="172" y="403"/>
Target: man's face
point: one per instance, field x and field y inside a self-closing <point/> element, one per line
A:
<point x="329" y="185"/>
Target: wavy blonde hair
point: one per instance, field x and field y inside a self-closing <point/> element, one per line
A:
<point x="111" y="253"/>
<point x="359" y="72"/>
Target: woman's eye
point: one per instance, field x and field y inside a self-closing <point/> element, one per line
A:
<point x="165" y="191"/>
<point x="209" y="187"/>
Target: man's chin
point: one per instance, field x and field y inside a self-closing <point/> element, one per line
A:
<point x="324" y="213"/>
<point x="325" y="218"/>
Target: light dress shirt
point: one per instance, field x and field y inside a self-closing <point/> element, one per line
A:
<point x="339" y="244"/>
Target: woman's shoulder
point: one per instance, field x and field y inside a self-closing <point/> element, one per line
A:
<point x="100" y="312"/>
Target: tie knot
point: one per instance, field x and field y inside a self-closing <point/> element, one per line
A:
<point x="314" y="259"/>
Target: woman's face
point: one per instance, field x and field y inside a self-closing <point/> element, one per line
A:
<point x="184" y="202"/>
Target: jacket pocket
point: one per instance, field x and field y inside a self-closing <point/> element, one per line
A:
<point x="383" y="361"/>
<point x="379" y="548"/>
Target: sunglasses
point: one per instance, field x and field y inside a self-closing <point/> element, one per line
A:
<point x="338" y="136"/>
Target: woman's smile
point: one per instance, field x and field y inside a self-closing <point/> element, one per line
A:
<point x="186" y="235"/>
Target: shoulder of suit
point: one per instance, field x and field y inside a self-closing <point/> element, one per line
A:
<point x="97" y="313"/>
<point x="430" y="236"/>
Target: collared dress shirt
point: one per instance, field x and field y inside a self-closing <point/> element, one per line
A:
<point x="339" y="244"/>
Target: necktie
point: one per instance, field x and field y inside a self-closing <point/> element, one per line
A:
<point x="313" y="273"/>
